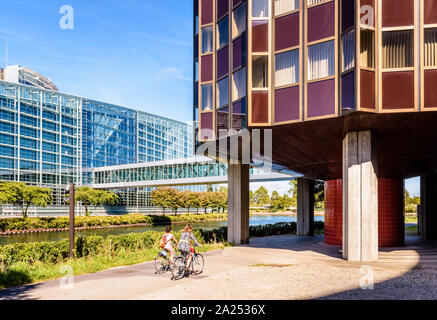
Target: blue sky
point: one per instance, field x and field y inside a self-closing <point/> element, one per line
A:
<point x="135" y="53"/>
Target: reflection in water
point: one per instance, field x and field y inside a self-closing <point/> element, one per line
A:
<point x="56" y="236"/>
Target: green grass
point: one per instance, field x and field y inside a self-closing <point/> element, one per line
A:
<point x="21" y="273"/>
<point x="410" y="218"/>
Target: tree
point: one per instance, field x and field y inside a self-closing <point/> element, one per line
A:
<point x="319" y="194"/>
<point x="158" y="198"/>
<point x="93" y="197"/>
<point x="189" y="200"/>
<point x="261" y="196"/>
<point x="174" y="199"/>
<point x="286" y="201"/>
<point x="293" y="192"/>
<point x="276" y="201"/>
<point x="251" y="198"/>
<point x="22" y="195"/>
<point x="204" y="199"/>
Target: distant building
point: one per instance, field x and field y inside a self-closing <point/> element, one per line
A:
<point x="23" y="75"/>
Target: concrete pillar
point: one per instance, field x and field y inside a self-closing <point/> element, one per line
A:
<point x="238" y="203"/>
<point x="419" y="220"/>
<point x="305" y="207"/>
<point x="428" y="208"/>
<point x="360" y="197"/>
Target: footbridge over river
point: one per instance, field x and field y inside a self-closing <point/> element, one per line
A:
<point x="179" y="172"/>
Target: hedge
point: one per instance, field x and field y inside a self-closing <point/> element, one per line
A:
<point x="57" y="251"/>
<point x="11" y="224"/>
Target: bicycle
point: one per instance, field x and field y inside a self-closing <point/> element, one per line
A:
<point x="162" y="262"/>
<point x="180" y="264"/>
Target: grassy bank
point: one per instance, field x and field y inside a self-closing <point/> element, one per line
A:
<point x="21" y="224"/>
<point x="25" y="263"/>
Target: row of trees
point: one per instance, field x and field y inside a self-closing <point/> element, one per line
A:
<point x="175" y="199"/>
<point x="24" y="196"/>
<point x="262" y="198"/>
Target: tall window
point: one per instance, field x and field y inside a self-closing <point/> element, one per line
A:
<point x="321" y="60"/>
<point x="207" y="39"/>
<point x="367" y="51"/>
<point x="239" y="21"/>
<point x="287" y="68"/>
<point x="196" y="71"/>
<point x="223" y="32"/>
<point x="223" y="92"/>
<point x="260" y="72"/>
<point x="348" y="51"/>
<point x="260" y="8"/>
<point x="430" y="47"/>
<point x="239" y="84"/>
<point x="397" y="49"/>
<point x="283" y="6"/>
<point x="207" y="97"/>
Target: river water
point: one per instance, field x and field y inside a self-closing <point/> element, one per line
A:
<point x="255" y="220"/>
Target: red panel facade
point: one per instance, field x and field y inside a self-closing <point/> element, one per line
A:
<point x="334" y="212"/>
<point x="287" y="31"/>
<point x="367" y="89"/>
<point x="287" y="104"/>
<point x="430" y="89"/>
<point x="260" y="36"/>
<point x="430" y="10"/>
<point x="207" y="11"/>
<point x="321" y="21"/>
<point x="321" y="98"/>
<point x="207" y="66"/>
<point x="260" y="107"/>
<point x="206" y="126"/>
<point x="397" y="13"/>
<point x="391" y="222"/>
<point x="390" y="212"/>
<point x="392" y="97"/>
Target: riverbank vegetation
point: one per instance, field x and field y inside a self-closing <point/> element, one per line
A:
<point x="43" y="223"/>
<point x="25" y="263"/>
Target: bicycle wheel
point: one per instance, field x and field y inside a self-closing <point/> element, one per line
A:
<point x="197" y="264"/>
<point x="178" y="270"/>
<point x="161" y="264"/>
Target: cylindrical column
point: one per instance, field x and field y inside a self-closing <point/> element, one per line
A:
<point x="333" y="212"/>
<point x="391" y="221"/>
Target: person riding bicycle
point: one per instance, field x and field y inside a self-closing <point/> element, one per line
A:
<point x="184" y="243"/>
<point x="167" y="241"/>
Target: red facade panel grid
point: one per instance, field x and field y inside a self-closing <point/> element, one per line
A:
<point x="397" y="13"/>
<point x="430" y="88"/>
<point x="222" y="62"/>
<point x="287" y="31"/>
<point x="367" y="89"/>
<point x="207" y="11"/>
<point x="430" y="10"/>
<point x="391" y="221"/>
<point x="321" y="98"/>
<point x="207" y="67"/>
<point x="334" y="212"/>
<point x="321" y="21"/>
<point x="260" y="36"/>
<point x="206" y="126"/>
<point x="287" y="104"/>
<point x="260" y="106"/>
<point x="392" y="97"/>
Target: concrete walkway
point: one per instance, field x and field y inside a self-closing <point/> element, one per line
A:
<point x="285" y="267"/>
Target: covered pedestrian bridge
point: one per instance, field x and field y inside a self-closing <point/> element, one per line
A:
<point x="179" y="172"/>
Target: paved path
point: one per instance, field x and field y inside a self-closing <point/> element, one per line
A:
<point x="285" y="267"/>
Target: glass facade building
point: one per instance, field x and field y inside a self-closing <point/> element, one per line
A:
<point x="49" y="138"/>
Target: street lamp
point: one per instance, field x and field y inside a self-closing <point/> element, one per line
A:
<point x="70" y="190"/>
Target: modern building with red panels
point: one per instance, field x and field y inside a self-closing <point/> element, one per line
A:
<point x="348" y="90"/>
